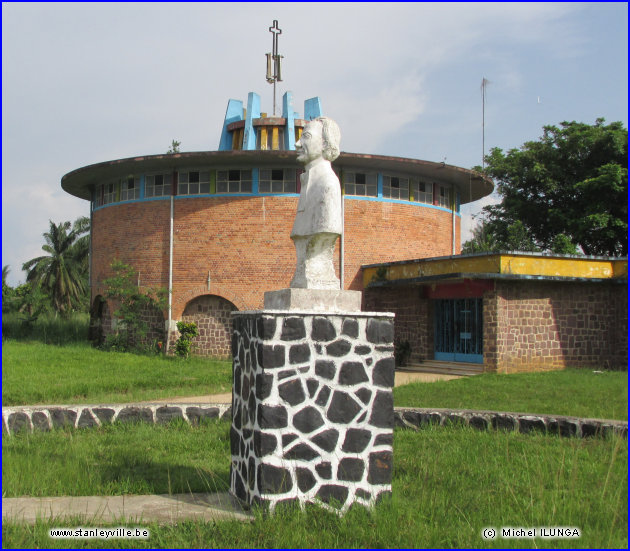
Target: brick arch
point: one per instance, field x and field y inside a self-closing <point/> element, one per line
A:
<point x="211" y="313"/>
<point x="184" y="299"/>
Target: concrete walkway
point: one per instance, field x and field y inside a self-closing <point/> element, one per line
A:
<point x="163" y="509"/>
<point x="400" y="378"/>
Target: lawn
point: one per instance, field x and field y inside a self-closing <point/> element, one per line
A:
<point x="36" y="373"/>
<point x="448" y="484"/>
<point x="577" y="392"/>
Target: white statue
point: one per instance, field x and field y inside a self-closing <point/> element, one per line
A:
<point x="318" y="221"/>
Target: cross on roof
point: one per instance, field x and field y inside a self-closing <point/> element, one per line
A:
<point x="276" y="31"/>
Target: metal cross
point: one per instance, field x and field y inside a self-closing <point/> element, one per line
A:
<point x="276" y="31"/>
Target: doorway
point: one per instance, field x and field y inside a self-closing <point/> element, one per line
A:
<point x="459" y="330"/>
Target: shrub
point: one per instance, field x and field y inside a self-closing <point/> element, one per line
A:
<point x="188" y="331"/>
<point x="133" y="303"/>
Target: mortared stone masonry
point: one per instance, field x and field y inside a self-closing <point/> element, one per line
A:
<point x="312" y="408"/>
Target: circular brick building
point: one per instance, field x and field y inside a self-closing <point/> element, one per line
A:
<point x="213" y="227"/>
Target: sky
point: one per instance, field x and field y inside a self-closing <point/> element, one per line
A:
<point x="89" y="82"/>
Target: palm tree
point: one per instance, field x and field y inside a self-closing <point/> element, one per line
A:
<point x="62" y="272"/>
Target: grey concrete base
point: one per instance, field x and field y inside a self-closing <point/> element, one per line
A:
<point x="164" y="509"/>
<point x="314" y="300"/>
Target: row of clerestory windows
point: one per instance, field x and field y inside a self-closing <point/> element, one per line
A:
<point x="194" y="182"/>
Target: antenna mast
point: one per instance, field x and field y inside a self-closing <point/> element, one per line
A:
<point x="274" y="73"/>
<point x="484" y="84"/>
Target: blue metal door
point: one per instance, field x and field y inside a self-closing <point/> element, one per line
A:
<point x="459" y="330"/>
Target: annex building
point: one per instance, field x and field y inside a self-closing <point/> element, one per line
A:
<point x="505" y="312"/>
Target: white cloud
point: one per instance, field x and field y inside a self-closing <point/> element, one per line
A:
<point x="84" y="83"/>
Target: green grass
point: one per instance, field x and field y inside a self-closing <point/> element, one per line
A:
<point x="36" y="373"/>
<point x="47" y="328"/>
<point x="577" y="392"/>
<point x="448" y="484"/>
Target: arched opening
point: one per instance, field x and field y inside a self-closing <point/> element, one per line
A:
<point x="100" y="321"/>
<point x="211" y="313"/>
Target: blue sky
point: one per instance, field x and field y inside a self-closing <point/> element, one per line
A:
<point x="84" y="83"/>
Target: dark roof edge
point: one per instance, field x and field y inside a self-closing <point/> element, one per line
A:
<point x="497" y="253"/>
<point x="465" y="275"/>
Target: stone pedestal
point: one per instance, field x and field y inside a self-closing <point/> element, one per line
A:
<point x="312" y="407"/>
<point x="314" y="300"/>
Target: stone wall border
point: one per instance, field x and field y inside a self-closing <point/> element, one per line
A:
<point x="45" y="418"/>
<point x="417" y="418"/>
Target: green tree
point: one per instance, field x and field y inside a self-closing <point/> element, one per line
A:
<point x="174" y="148"/>
<point x="482" y="240"/>
<point x="8" y="293"/>
<point x="572" y="182"/>
<point x="62" y="272"/>
<point x="512" y="237"/>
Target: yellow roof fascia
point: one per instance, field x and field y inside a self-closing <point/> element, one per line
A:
<point x="587" y="268"/>
<point x="505" y="264"/>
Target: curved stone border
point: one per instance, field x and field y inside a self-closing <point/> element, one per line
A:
<point x="45" y="418"/>
<point x="15" y="419"/>
<point x="563" y="425"/>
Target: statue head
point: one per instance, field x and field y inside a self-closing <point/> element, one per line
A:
<point x="320" y="138"/>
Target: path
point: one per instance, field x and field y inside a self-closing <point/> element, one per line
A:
<point x="400" y="378"/>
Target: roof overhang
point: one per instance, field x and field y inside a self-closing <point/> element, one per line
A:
<point x="80" y="182"/>
<point x="503" y="266"/>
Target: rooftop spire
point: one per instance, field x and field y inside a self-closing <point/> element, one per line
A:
<point x="274" y="72"/>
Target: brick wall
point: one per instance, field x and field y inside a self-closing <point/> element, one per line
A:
<point x="552" y="325"/>
<point x="385" y="232"/>
<point x="103" y="323"/>
<point x="245" y="243"/>
<point x="413" y="321"/>
<point x="528" y="325"/>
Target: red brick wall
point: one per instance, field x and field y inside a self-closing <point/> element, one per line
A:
<point x="245" y="243"/>
<point x="384" y="232"/>
<point x="533" y="325"/>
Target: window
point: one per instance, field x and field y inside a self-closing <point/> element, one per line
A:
<point x="98" y="196"/>
<point x="109" y="193"/>
<point x="264" y="137"/>
<point x="277" y="180"/>
<point x="234" y="181"/>
<point x="360" y="183"/>
<point x="158" y="185"/>
<point x="129" y="188"/>
<point x="422" y="192"/>
<point x="444" y="197"/>
<point x="193" y="182"/>
<point x="396" y="187"/>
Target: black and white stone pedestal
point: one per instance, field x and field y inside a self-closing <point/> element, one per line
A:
<point x="312" y="407"/>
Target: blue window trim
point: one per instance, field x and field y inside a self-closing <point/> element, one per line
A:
<point x="216" y="195"/>
<point x="255" y="179"/>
